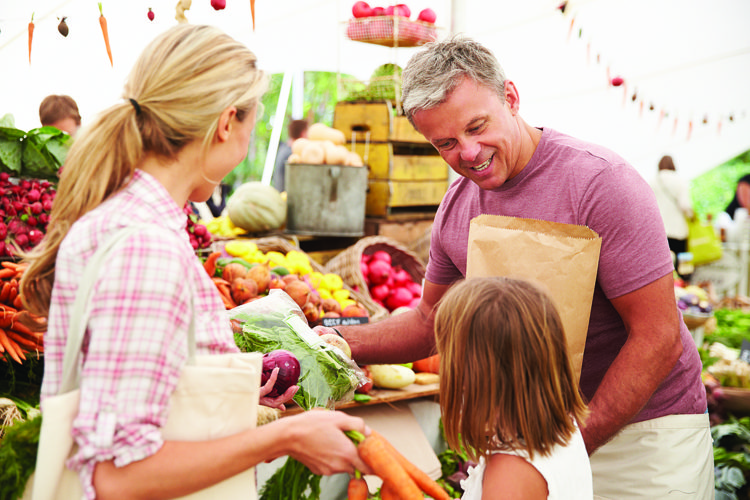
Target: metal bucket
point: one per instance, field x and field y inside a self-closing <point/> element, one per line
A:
<point x="325" y="200"/>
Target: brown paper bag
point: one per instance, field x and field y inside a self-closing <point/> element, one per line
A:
<point x="560" y="258"/>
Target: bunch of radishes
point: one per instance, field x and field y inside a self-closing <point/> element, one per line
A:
<point x="362" y="9"/>
<point x="200" y="237"/>
<point x="389" y="285"/>
<point x="24" y="212"/>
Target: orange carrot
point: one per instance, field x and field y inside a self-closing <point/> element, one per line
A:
<point x="357" y="489"/>
<point x="9" y="348"/>
<point x="31" y="34"/>
<point x="388" y="491"/>
<point x="23" y="341"/>
<point x="425" y="482"/>
<point x="252" y="12"/>
<point x="210" y="264"/>
<point x="5" y="292"/>
<point x="7" y="273"/>
<point x="374" y="452"/>
<point x="105" y="33"/>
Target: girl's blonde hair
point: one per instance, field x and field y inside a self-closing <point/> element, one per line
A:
<point x="174" y="95"/>
<point x="505" y="378"/>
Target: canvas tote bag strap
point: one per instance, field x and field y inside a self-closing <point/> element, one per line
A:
<point x="81" y="310"/>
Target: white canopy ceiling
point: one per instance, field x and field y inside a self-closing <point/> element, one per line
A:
<point x="688" y="59"/>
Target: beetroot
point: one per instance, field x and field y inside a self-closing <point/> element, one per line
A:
<point x="289" y="371"/>
<point x="378" y="271"/>
<point x="399" y="297"/>
<point x="382" y="255"/>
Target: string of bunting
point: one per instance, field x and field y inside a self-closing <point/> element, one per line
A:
<point x="634" y="96"/>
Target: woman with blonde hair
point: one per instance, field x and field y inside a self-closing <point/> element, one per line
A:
<point x="185" y="121"/>
<point x="508" y="392"/>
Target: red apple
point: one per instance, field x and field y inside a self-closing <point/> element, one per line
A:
<point x="378" y="11"/>
<point x="401" y="10"/>
<point x="427" y="15"/>
<point x="361" y="9"/>
<point x="218" y="4"/>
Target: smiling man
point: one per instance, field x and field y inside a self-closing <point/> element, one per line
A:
<point x="648" y="432"/>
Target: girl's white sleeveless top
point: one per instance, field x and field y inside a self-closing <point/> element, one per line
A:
<point x="567" y="471"/>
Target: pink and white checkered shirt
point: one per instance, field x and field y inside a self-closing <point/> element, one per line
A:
<point x="136" y="338"/>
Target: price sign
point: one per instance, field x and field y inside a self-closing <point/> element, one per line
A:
<point x="745" y="351"/>
<point x="345" y="321"/>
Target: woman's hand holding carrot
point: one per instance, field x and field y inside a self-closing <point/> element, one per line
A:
<point x="317" y="439"/>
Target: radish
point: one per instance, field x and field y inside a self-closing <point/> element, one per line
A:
<point x="380" y="292"/>
<point x="218" y="4"/>
<point x="399" y="297"/>
<point x="382" y="255"/>
<point x="401" y="277"/>
<point x="414" y="288"/>
<point x="378" y="272"/>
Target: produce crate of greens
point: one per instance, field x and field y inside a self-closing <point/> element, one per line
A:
<point x="275" y="321"/>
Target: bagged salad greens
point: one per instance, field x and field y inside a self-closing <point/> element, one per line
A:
<point x="327" y="375"/>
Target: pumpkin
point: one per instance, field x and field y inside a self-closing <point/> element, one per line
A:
<point x="257" y="207"/>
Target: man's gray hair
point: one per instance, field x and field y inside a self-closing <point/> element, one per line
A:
<point x="431" y="74"/>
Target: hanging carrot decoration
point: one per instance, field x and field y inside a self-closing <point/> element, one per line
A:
<point x="252" y="12"/>
<point x="105" y="33"/>
<point x="31" y="34"/>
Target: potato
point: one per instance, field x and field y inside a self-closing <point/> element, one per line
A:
<point x="391" y="376"/>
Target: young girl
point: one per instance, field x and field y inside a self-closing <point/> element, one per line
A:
<point x="185" y="121"/>
<point x="508" y="394"/>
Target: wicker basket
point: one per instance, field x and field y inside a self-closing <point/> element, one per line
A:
<point x="347" y="263"/>
<point x="283" y="245"/>
<point x="390" y="31"/>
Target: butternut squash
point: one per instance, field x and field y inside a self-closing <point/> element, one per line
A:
<point x="322" y="132"/>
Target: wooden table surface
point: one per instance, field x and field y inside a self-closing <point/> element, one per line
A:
<point x="380" y="396"/>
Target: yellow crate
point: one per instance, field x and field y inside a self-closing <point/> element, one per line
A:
<point x="385" y="196"/>
<point x="384" y="164"/>
<point x="373" y="122"/>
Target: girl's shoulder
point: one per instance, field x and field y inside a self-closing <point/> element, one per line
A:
<point x="514" y="476"/>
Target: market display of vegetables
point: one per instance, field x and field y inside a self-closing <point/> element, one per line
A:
<point x="243" y="273"/>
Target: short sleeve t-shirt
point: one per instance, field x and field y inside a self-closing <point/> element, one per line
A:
<point x="574" y="182"/>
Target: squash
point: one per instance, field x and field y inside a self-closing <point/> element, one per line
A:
<point x="391" y="376"/>
<point x="313" y="153"/>
<point x="298" y="145"/>
<point x="294" y="158"/>
<point x="256" y="207"/>
<point x="335" y="155"/>
<point x="353" y="159"/>
<point x="322" y="132"/>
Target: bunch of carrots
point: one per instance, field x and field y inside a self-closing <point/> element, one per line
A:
<point x="402" y="480"/>
<point x="15" y="338"/>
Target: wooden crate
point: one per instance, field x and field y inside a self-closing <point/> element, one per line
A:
<point x="402" y="162"/>
<point x="378" y="119"/>
<point x="388" y="197"/>
<point x="407" y="230"/>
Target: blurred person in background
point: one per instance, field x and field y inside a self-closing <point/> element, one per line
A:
<point x="296" y="129"/>
<point x="60" y="111"/>
<point x="673" y="196"/>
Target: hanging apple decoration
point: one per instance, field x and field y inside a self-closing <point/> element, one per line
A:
<point x="361" y="9"/>
<point x="427" y="15"/>
<point x="617" y="81"/>
<point x="218" y="4"/>
<point x="150" y="14"/>
<point x="390" y="286"/>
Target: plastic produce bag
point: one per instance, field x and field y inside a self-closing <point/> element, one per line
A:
<point x="327" y="375"/>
